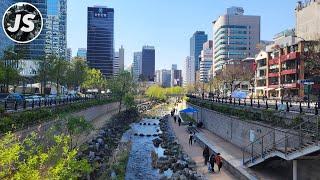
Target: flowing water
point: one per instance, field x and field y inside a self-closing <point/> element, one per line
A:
<point x="140" y="162"/>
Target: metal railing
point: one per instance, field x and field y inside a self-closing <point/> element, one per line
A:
<point x="285" y="142"/>
<point x="264" y="103"/>
<point x="27" y="104"/>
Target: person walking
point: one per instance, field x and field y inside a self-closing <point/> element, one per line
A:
<point x="212" y="161"/>
<point x="179" y="121"/>
<point x="218" y="160"/>
<point x="206" y="154"/>
<point x="175" y="119"/>
<point x="190" y="139"/>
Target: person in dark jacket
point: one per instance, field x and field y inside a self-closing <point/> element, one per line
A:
<point x="212" y="161"/>
<point x="179" y="121"/>
<point x="206" y="154"/>
<point x="175" y="119"/>
<point x="190" y="139"/>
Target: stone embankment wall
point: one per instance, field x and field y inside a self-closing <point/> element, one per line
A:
<point x="89" y="114"/>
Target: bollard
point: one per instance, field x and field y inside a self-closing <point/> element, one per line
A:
<point x="5" y="104"/>
<point x="39" y="102"/>
<point x="258" y="103"/>
<point x="251" y="104"/>
<point x="276" y="105"/>
<point x="230" y="100"/>
<point x="287" y="103"/>
<point x="245" y="103"/>
<point x="290" y="103"/>
<point x="32" y="105"/>
<point x="239" y="102"/>
<point x="316" y="110"/>
<point x="267" y="106"/>
<point x="300" y="107"/>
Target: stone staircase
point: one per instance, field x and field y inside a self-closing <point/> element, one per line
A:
<point x="289" y="145"/>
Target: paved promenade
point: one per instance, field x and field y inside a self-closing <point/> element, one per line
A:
<point x="195" y="152"/>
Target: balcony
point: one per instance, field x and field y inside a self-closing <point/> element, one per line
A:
<point x="290" y="56"/>
<point x="288" y="71"/>
<point x="273" y="74"/>
<point x="291" y="86"/>
<point x="274" y="61"/>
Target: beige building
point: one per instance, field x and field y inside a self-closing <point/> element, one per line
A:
<point x="235" y="37"/>
<point x="261" y="78"/>
<point x="308" y="20"/>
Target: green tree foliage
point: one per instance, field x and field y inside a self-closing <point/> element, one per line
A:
<point x="94" y="79"/>
<point x="32" y="159"/>
<point x="120" y="86"/>
<point x="156" y="92"/>
<point x="58" y="72"/>
<point x="76" y="73"/>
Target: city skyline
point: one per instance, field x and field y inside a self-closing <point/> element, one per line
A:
<point x="172" y="24"/>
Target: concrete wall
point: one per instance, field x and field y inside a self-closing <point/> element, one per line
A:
<point x="237" y="131"/>
<point x="308" y="169"/>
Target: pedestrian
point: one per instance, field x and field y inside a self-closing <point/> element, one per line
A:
<point x="218" y="160"/>
<point x="179" y="121"/>
<point x="206" y="154"/>
<point x="190" y="139"/>
<point x="212" y="161"/>
<point x="175" y="119"/>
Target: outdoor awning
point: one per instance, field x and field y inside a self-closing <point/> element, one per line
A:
<point x="189" y="110"/>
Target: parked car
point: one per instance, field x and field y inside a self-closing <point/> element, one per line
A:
<point x="14" y="97"/>
<point x="34" y="98"/>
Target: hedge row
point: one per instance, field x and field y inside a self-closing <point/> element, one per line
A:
<point x="21" y="120"/>
<point x="265" y="116"/>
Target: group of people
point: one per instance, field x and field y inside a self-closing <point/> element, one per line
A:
<point x="211" y="160"/>
<point x="175" y="118"/>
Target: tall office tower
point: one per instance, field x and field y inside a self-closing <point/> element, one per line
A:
<point x="196" y="42"/>
<point x="206" y="59"/>
<point x="174" y="67"/>
<point x="235" y="37"/>
<point x="188" y="71"/>
<point x="69" y="54"/>
<point x="165" y="78"/>
<point x="176" y="78"/>
<point x="82" y="52"/>
<point x="121" y="58"/>
<point x="308" y="20"/>
<point x="116" y="66"/>
<point x="148" y="63"/>
<point x="137" y="65"/>
<point x="36" y="49"/>
<point x="158" y="74"/>
<point x="100" y="39"/>
<point x="5" y="41"/>
<point x="56" y="28"/>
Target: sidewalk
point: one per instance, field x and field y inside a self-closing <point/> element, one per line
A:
<point x="195" y="152"/>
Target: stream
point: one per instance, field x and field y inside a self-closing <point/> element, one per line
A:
<point x="139" y="164"/>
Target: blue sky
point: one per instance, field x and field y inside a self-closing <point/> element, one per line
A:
<point x="169" y="24"/>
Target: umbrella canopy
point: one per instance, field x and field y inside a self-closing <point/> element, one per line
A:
<point x="189" y="110"/>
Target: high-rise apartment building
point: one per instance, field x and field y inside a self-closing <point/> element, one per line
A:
<point x="174" y="67"/>
<point x="196" y="43"/>
<point x="100" y="39"/>
<point x="206" y="61"/>
<point x="56" y="28"/>
<point x="137" y="65"/>
<point x="5" y="41"/>
<point x="188" y="71"/>
<point x="164" y="77"/>
<point x="82" y="52"/>
<point x="148" y="63"/>
<point x="121" y="58"/>
<point x="308" y="20"/>
<point x="69" y="54"/>
<point x="176" y="78"/>
<point x="235" y="37"/>
<point x="116" y="64"/>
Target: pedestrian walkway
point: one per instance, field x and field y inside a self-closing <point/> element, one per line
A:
<point x="195" y="152"/>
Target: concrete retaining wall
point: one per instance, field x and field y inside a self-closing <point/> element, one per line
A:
<point x="237" y="131"/>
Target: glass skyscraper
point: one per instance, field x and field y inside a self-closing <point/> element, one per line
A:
<point x="148" y="63"/>
<point x="56" y="28"/>
<point x="5" y="41"/>
<point x="35" y="49"/>
<point x="196" y="43"/>
<point x="100" y="39"/>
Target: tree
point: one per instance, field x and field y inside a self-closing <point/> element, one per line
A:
<point x="156" y="92"/>
<point x="32" y="159"/>
<point x="93" y="79"/>
<point x="10" y="67"/>
<point x="45" y="69"/>
<point x="312" y="59"/>
<point x="58" y="71"/>
<point x="76" y="73"/>
<point x="120" y="86"/>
